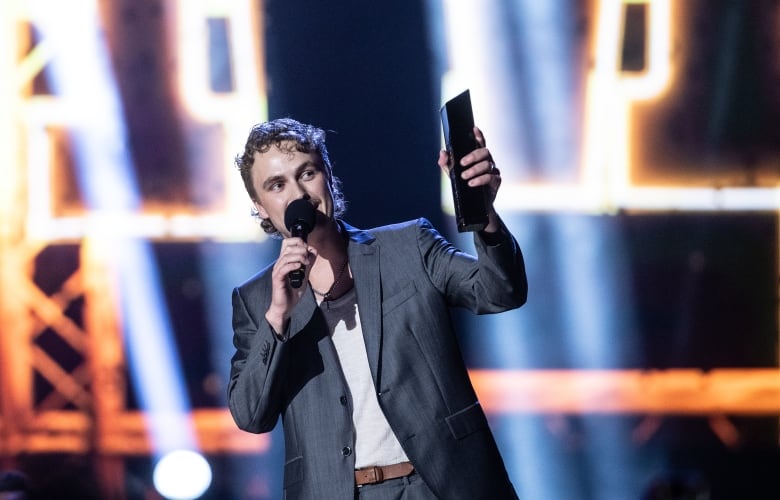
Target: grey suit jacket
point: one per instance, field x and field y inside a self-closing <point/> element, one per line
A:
<point x="406" y="276"/>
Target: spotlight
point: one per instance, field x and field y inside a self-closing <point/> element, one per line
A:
<point x="182" y="475"/>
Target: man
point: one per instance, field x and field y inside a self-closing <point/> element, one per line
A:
<point x="361" y="362"/>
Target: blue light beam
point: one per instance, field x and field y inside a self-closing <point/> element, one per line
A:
<point x="85" y="89"/>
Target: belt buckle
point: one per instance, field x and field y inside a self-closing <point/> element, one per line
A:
<point x="378" y="475"/>
<point x="371" y="475"/>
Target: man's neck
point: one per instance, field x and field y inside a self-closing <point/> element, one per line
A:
<point x="331" y="246"/>
<point x="328" y="240"/>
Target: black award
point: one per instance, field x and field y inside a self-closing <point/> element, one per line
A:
<point x="471" y="203"/>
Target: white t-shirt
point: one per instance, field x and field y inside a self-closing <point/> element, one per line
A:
<point x="375" y="442"/>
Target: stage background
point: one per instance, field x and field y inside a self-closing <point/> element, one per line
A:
<point x="640" y="151"/>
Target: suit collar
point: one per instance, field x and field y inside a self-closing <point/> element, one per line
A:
<point x="357" y="235"/>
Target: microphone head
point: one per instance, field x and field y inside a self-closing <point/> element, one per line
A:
<point x="300" y="212"/>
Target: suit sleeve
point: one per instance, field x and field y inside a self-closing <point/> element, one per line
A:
<point x="259" y="367"/>
<point x="256" y="370"/>
<point x="493" y="281"/>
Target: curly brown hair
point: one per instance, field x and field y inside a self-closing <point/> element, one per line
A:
<point x="296" y="136"/>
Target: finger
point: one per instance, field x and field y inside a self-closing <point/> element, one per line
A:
<point x="294" y="256"/>
<point x="294" y="245"/>
<point x="481" y="180"/>
<point x="479" y="167"/>
<point x="476" y="156"/>
<point x="444" y="161"/>
<point x="284" y="267"/>
<point x="480" y="137"/>
<point x="483" y="173"/>
<point x="297" y="254"/>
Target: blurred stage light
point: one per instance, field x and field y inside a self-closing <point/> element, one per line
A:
<point x="517" y="59"/>
<point x="583" y="258"/>
<point x="84" y="85"/>
<point x="182" y="475"/>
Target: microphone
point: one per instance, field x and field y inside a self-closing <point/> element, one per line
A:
<point x="299" y="218"/>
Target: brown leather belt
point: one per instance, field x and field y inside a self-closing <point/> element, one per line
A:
<point x="377" y="474"/>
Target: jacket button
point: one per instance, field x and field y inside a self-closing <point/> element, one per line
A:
<point x="343" y="400"/>
<point x="346" y="451"/>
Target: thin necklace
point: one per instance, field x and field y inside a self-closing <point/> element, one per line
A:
<point x="326" y="297"/>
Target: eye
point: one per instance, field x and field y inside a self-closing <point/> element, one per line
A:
<point x="308" y="174"/>
<point x="276" y="186"/>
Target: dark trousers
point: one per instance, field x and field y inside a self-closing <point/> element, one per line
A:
<point x="411" y="487"/>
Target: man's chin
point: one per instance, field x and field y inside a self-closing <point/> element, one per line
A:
<point x="322" y="219"/>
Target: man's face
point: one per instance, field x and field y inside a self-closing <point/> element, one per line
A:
<point x="281" y="176"/>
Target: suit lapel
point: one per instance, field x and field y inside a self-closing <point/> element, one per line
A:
<point x="364" y="262"/>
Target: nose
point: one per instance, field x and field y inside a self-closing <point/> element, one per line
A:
<point x="299" y="194"/>
<point x="304" y="196"/>
<point x="299" y="191"/>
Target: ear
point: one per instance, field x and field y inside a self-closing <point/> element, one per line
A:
<point x="260" y="210"/>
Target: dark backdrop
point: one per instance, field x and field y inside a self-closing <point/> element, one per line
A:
<point x="364" y="71"/>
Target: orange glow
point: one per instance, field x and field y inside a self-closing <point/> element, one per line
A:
<point x="614" y="126"/>
<point x="681" y="392"/>
<point x="127" y="434"/>
<point x="231" y="112"/>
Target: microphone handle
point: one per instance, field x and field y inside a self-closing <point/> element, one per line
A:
<point x="296" y="277"/>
